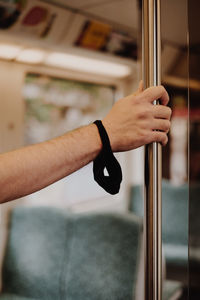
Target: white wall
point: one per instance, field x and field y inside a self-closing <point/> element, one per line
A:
<point x="11" y="125"/>
<point x="11" y="104"/>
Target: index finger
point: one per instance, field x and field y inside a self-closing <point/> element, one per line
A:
<point x="156" y="93"/>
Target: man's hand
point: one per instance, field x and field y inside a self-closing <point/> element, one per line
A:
<point x="134" y="120"/>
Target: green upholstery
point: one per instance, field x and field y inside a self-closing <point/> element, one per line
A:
<point x="175" y="211"/>
<point x="52" y="255"/>
<point x="35" y="250"/>
<point x="174" y="220"/>
<point x="14" y="297"/>
<point x="194" y="208"/>
<point x="194" y="233"/>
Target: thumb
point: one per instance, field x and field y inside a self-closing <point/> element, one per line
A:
<point x="140" y="88"/>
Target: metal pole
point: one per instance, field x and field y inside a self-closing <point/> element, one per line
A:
<point x="153" y="157"/>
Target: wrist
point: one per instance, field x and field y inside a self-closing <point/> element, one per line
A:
<point x="108" y="127"/>
<point x="97" y="138"/>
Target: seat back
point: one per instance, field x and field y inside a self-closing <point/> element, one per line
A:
<point x="52" y="255"/>
<point x="35" y="251"/>
<point x="174" y="211"/>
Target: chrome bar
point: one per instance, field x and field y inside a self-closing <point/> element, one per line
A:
<point x="151" y="57"/>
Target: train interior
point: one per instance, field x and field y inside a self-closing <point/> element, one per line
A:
<point x="63" y="64"/>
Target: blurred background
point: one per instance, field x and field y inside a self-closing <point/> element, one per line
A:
<point x="63" y="64"/>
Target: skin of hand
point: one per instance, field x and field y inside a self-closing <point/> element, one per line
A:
<point x="135" y="121"/>
<point x="131" y="123"/>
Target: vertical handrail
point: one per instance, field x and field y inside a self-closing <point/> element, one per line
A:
<point x="151" y="50"/>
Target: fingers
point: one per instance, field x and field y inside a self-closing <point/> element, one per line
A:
<point x="162" y="112"/>
<point x="161" y="124"/>
<point x="156" y="93"/>
<point x="158" y="136"/>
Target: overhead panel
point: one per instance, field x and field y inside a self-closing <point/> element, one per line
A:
<point x="125" y="13"/>
<point x="34" y="20"/>
<point x="55" y="25"/>
<point x="120" y="12"/>
<point x="79" y="3"/>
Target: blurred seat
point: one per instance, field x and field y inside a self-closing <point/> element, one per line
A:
<point x="175" y="206"/>
<point x="14" y="297"/>
<point x="174" y="220"/>
<point x="53" y="255"/>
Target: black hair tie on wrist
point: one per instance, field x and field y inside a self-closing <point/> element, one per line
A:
<point x="106" y="159"/>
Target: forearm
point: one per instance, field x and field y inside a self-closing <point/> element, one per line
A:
<point x="132" y="122"/>
<point x="32" y="168"/>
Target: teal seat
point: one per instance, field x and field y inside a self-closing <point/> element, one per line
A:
<point x="52" y="255"/>
<point x="174" y="221"/>
<point x="14" y="297"/>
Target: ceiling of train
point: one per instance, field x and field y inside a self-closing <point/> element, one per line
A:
<point x="122" y="12"/>
<point x="125" y="13"/>
<point x="124" y="17"/>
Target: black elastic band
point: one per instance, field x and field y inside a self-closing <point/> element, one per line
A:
<point x="106" y="160"/>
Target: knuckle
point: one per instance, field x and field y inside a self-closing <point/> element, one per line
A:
<point x="140" y="114"/>
<point x="160" y="137"/>
<point x="167" y="124"/>
<point x="144" y="112"/>
<point x="162" y="88"/>
<point x="153" y="137"/>
<point x="147" y="124"/>
<point x="170" y="111"/>
<point x="165" y="140"/>
<point x="144" y="135"/>
<point x="137" y="99"/>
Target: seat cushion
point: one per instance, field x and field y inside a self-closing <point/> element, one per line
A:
<point x="103" y="258"/>
<point x="37" y="246"/>
<point x="52" y="255"/>
<point x="174" y="211"/>
<point x="14" y="297"/>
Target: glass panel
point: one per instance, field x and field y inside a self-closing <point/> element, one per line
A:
<point x="194" y="151"/>
<point x="174" y="27"/>
<point x="175" y="154"/>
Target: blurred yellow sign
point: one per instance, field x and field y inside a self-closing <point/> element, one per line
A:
<point x="95" y="35"/>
